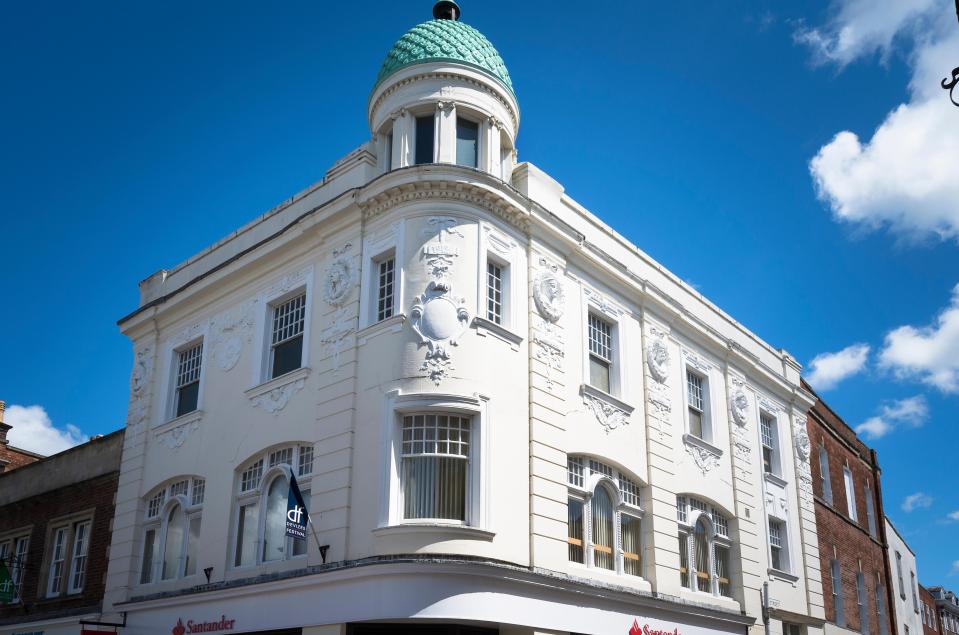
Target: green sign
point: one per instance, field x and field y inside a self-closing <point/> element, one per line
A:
<point x="7" y="589"/>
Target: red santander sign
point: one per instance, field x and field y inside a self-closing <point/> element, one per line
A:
<point x="647" y="630"/>
<point x="192" y="626"/>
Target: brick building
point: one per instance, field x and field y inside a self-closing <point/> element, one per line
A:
<point x="851" y="532"/>
<point x="927" y="607"/>
<point x="947" y="610"/>
<point x="56" y="518"/>
<point x="10" y="457"/>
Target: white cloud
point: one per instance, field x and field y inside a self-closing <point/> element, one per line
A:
<point x="903" y="177"/>
<point x="826" y="370"/>
<point x="955" y="568"/>
<point x="919" y="500"/>
<point x="912" y="412"/>
<point x="953" y="516"/>
<point x="34" y="431"/>
<point x="929" y="353"/>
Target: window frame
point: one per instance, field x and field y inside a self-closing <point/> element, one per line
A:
<point x="460" y="458"/>
<point x="67" y="527"/>
<point x="902" y="584"/>
<point x="504" y="290"/>
<point x="783" y="547"/>
<point x="190" y="502"/>
<point x="706" y="411"/>
<point x="259" y="495"/>
<point x="415" y="145"/>
<point x="458" y="115"/>
<point x="870" y="510"/>
<point x="273" y="307"/>
<point x="177" y="359"/>
<point x="849" y="485"/>
<point x="15" y="558"/>
<point x="283" y="289"/>
<point x="689" y="512"/>
<point x="775" y="461"/>
<point x="835" y="582"/>
<point x="625" y="492"/>
<point x="376" y="262"/>
<point x="825" y="476"/>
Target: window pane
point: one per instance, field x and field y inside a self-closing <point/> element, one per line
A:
<point x="384" y="293"/>
<point x="701" y="546"/>
<point x="824" y="475"/>
<point x="81" y="544"/>
<point x="684" y="560"/>
<point x="494" y="293"/>
<point x="434" y="487"/>
<point x="600" y="338"/>
<point x="632" y="562"/>
<point x="149" y="549"/>
<point x="695" y="423"/>
<point x="424" y="140"/>
<point x="246" y="535"/>
<point x="602" y="529"/>
<point x="722" y="570"/>
<point x="287" y="356"/>
<point x="187" y="397"/>
<point x="575" y="525"/>
<point x="56" y="565"/>
<point x="598" y="374"/>
<point x="467" y="136"/>
<point x="274" y="535"/>
<point x="174" y="544"/>
<point x="192" y="540"/>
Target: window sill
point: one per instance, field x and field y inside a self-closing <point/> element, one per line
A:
<point x="273" y="395"/>
<point x="775" y="480"/>
<point x="589" y="391"/>
<point x="486" y="327"/>
<point x="441" y="531"/>
<point x="389" y="325"/>
<point x="190" y="417"/>
<point x="693" y="440"/>
<point x="782" y="575"/>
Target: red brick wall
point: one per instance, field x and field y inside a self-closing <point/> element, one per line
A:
<point x="840" y="537"/>
<point x="14" y="458"/>
<point x="930" y="622"/>
<point x="96" y="494"/>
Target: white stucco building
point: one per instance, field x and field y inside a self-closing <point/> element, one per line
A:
<point x="905" y="582"/>
<point x="504" y="416"/>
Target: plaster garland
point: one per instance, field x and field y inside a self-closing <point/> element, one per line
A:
<point x="275" y="400"/>
<point x="228" y="331"/>
<point x="803" y="470"/>
<point x="659" y="403"/>
<point x="704" y="458"/>
<point x="608" y="415"/>
<point x="549" y="296"/>
<point x="174" y="438"/>
<point x="440" y="319"/>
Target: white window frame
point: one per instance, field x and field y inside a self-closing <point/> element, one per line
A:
<point x="902" y="584"/>
<point x="850" y="487"/>
<point x="375" y="264"/>
<point x="284" y="288"/>
<point x="168" y="379"/>
<point x="614" y="316"/>
<point x="506" y="304"/>
<point x="175" y="357"/>
<point x="191" y="501"/>
<point x="825" y="475"/>
<point x="478" y="506"/>
<point x="689" y="510"/>
<point x="259" y="495"/>
<point x="784" y="551"/>
<point x="775" y="463"/>
<point x="14" y="549"/>
<point x="595" y="474"/>
<point x="707" y="410"/>
<point x="79" y="556"/>
<point x="471" y="116"/>
<point x="66" y="527"/>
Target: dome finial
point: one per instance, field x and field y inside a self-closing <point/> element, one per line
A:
<point x="446" y="10"/>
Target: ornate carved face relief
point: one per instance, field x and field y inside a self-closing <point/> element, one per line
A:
<point x="803" y="445"/>
<point x="657" y="358"/>
<point x="740" y="406"/>
<point x="340" y="278"/>
<point x="548" y="293"/>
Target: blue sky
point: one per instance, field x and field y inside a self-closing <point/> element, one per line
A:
<point x="136" y="134"/>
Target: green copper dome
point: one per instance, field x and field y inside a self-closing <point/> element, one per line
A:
<point x="444" y="40"/>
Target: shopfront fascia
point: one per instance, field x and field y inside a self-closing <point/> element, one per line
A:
<point x="428" y="591"/>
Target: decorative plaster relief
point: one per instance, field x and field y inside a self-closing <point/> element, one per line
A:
<point x="340" y="277"/>
<point x="288" y="282"/>
<point x="186" y="335"/>
<point x="657" y="357"/>
<point x="275" y="399"/>
<point x="548" y="293"/>
<point x="228" y="331"/>
<point x="803" y="446"/>
<point x="550" y="349"/>
<point x="439" y="318"/>
<point x="803" y="450"/>
<point x="703" y="456"/>
<point x="336" y="336"/>
<point x="659" y="404"/>
<point x="139" y="381"/>
<point x="498" y="242"/>
<point x="767" y="405"/>
<point x="739" y="404"/>
<point x="696" y="362"/>
<point x="602" y="303"/>
<point x="439" y="255"/>
<point x="739" y="407"/>
<point x="609" y="415"/>
<point x="175" y="437"/>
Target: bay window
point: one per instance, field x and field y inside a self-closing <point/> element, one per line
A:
<point x="435" y="466"/>
<point x="612" y="540"/>
<point x="704" y="547"/>
<point x="171" y="531"/>
<point x="263" y="486"/>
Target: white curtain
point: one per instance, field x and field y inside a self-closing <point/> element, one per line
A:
<point x="192" y="539"/>
<point x="722" y="569"/>
<point x="246" y="535"/>
<point x="631" y="545"/>
<point x="602" y="529"/>
<point x="274" y="533"/>
<point x="174" y="543"/>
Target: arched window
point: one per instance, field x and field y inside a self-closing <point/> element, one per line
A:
<point x="704" y="545"/>
<point x="171" y="531"/>
<point x="612" y="539"/>
<point x="263" y="485"/>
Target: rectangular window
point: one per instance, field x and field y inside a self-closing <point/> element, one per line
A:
<point x="837" y="599"/>
<point x="20" y="547"/>
<point x="389" y="152"/>
<point x="188" y="379"/>
<point x="684" y="559"/>
<point x="150" y="539"/>
<point x="915" y="599"/>
<point x="435" y="464"/>
<point x="424" y="140"/>
<point x="902" y="585"/>
<point x="305" y="460"/>
<point x="494" y="293"/>
<point x="192" y="539"/>
<point x="850" y="494"/>
<point x="600" y="352"/>
<point x="286" y="344"/>
<point x="467" y="142"/>
<point x="880" y="607"/>
<point x="384" y="289"/>
<point x="870" y="511"/>
<point x="778" y="545"/>
<point x="722" y="570"/>
<point x="696" y="396"/>
<point x="575" y="538"/>
<point x="574" y="471"/>
<point x="78" y="566"/>
<point x="825" y="482"/>
<point x="861" y="601"/>
<point x="55" y="584"/>
<point x="767" y="427"/>
<point x="250" y="478"/>
<point x="246" y="535"/>
<point x="632" y="563"/>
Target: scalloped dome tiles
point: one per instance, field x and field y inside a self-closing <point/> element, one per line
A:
<point x="444" y="40"/>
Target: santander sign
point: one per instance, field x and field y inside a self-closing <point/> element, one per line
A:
<point x="646" y="630"/>
<point x="203" y="627"/>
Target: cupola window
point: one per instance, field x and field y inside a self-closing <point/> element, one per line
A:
<point x="424" y="140"/>
<point x="467" y="142"/>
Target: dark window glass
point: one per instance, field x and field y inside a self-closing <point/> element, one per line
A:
<point x="424" y="140"/>
<point x="287" y="356"/>
<point x="187" y="397"/>
<point x="467" y="136"/>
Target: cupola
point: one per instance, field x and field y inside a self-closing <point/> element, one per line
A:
<point x="443" y="95"/>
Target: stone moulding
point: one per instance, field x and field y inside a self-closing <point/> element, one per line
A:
<point x="611" y="413"/>
<point x="440" y="319"/>
<point x="175" y="436"/>
<point x="274" y="395"/>
<point x="704" y="454"/>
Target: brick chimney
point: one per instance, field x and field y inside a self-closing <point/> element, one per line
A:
<point x="4" y="427"/>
